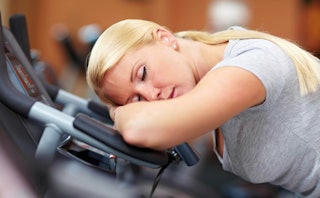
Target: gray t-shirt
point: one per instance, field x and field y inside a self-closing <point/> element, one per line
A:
<point x="278" y="141"/>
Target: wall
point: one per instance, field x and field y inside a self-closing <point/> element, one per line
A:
<point x="43" y="14"/>
<point x="279" y="17"/>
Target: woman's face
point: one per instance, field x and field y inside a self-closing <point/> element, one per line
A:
<point x="153" y="72"/>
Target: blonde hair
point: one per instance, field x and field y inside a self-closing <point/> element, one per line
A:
<point x="129" y="34"/>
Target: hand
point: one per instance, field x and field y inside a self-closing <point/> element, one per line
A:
<point x="112" y="110"/>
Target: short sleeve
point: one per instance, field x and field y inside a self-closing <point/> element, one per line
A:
<point x="262" y="58"/>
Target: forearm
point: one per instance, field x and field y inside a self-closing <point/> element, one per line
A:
<point x="162" y="124"/>
<point x="141" y="124"/>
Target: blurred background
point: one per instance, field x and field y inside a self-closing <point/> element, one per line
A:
<point x="61" y="33"/>
<point x="48" y="21"/>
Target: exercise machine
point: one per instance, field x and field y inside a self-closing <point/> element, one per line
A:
<point x="83" y="136"/>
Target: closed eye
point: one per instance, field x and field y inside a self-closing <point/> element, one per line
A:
<point x="142" y="73"/>
<point x="137" y="98"/>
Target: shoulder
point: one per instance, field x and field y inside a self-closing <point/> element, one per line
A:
<point x="263" y="58"/>
<point x="255" y="55"/>
<point x="238" y="47"/>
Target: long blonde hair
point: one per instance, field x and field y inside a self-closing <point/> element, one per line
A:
<point x="130" y="34"/>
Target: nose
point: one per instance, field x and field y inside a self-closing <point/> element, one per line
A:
<point x="150" y="93"/>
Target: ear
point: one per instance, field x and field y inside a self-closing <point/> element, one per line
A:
<point x="165" y="36"/>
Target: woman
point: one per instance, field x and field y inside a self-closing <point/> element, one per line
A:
<point x="257" y="93"/>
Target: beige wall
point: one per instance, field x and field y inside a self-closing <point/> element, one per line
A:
<point x="43" y="14"/>
<point x="280" y="17"/>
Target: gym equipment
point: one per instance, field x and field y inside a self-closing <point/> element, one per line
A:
<point x="89" y="107"/>
<point x="26" y="96"/>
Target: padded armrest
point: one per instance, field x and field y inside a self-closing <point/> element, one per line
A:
<point x="109" y="136"/>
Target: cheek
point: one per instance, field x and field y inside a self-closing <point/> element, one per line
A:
<point x="183" y="82"/>
<point x="174" y="71"/>
<point x="188" y="86"/>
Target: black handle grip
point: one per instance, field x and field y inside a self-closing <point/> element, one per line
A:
<point x="110" y="137"/>
<point x="9" y="94"/>
<point x="187" y="154"/>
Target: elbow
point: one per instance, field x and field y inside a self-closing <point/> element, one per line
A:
<point x="134" y="138"/>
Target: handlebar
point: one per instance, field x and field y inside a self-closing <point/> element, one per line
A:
<point x="187" y="154"/>
<point x="22" y="103"/>
<point x="111" y="137"/>
<point x="13" y="98"/>
<point x="107" y="135"/>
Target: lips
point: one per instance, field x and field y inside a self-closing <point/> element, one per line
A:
<point x="172" y="95"/>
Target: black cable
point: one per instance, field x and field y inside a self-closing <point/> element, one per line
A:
<point x="157" y="179"/>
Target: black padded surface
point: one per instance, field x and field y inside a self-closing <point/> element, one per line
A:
<point x="107" y="135"/>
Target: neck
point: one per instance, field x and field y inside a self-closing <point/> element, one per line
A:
<point x="203" y="57"/>
<point x="210" y="56"/>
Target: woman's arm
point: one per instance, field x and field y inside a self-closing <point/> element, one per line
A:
<point x="220" y="95"/>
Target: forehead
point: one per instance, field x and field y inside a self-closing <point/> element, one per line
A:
<point x="116" y="82"/>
